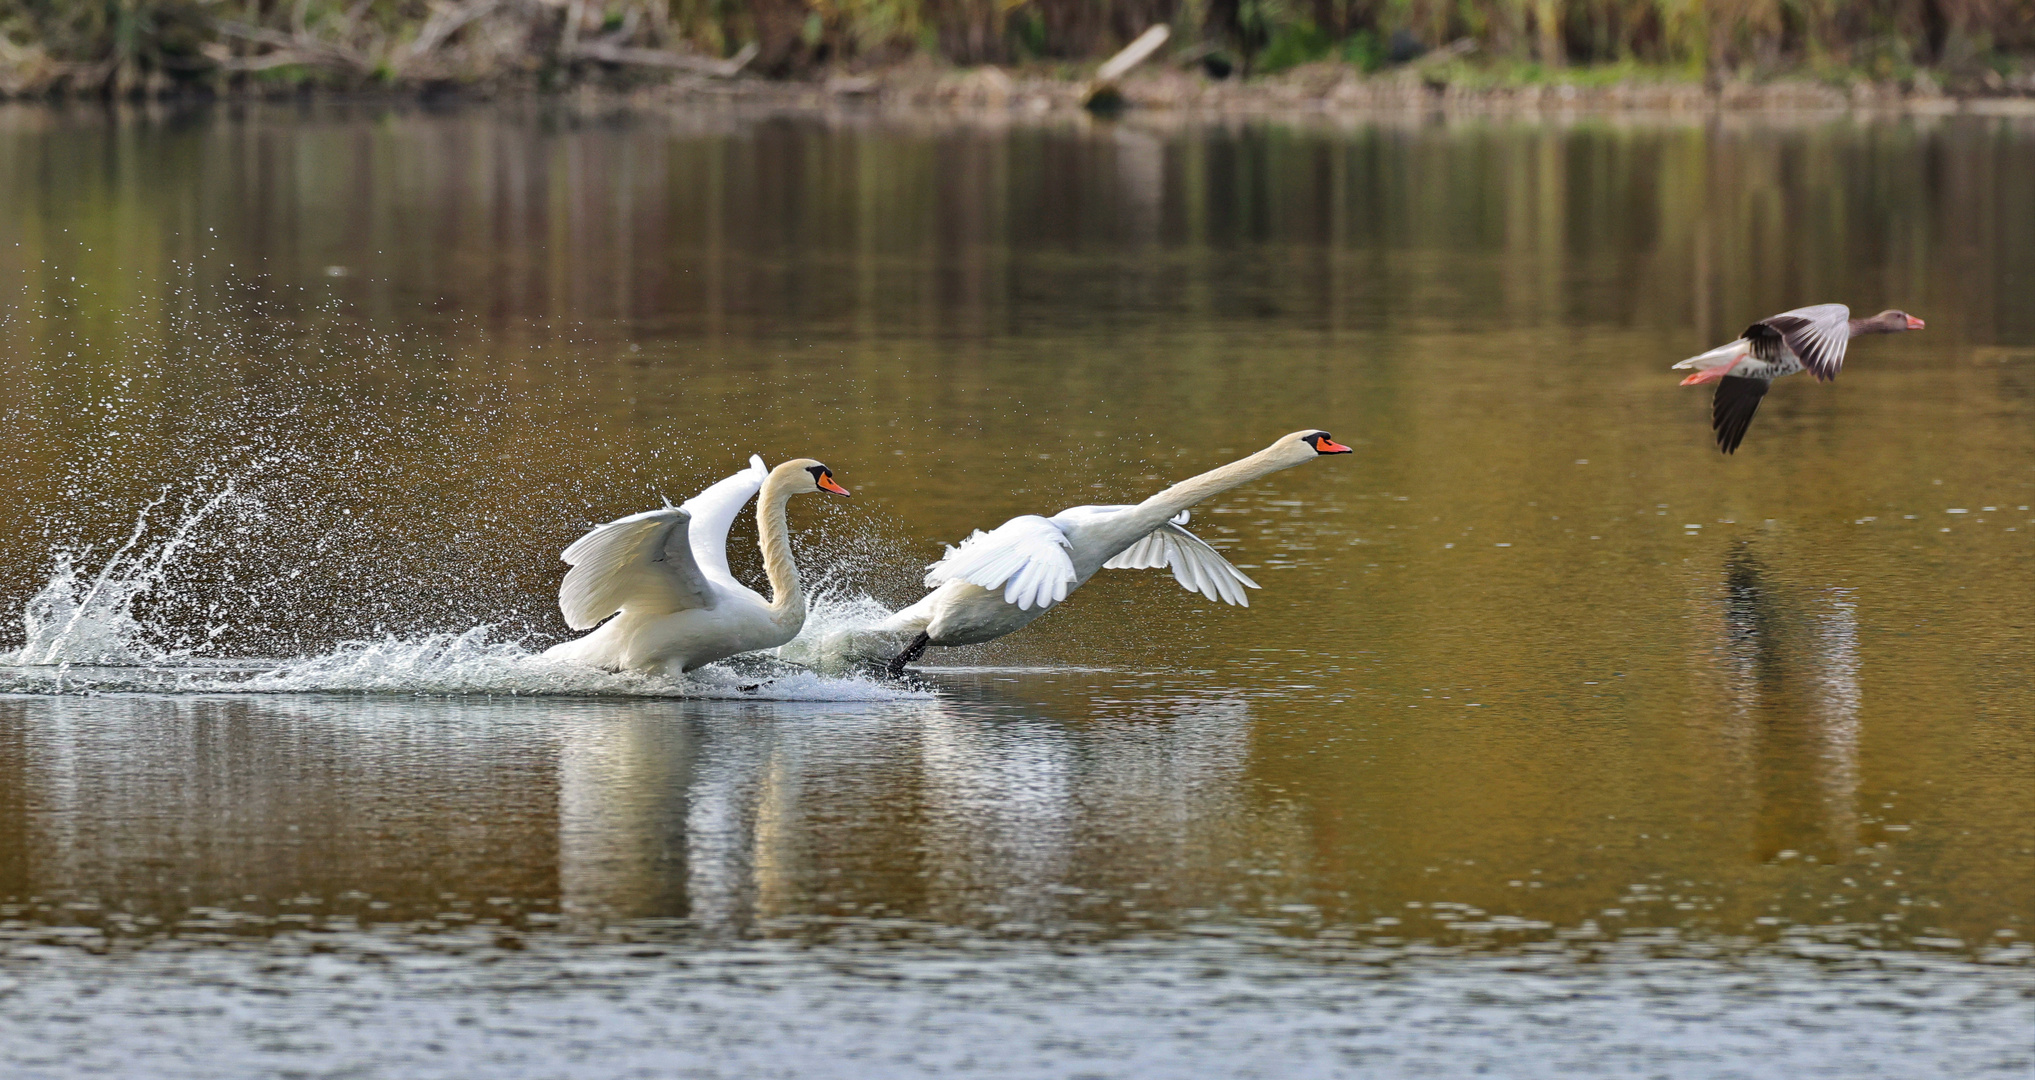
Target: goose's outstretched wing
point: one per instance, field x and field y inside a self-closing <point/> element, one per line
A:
<point x="1028" y="557"/>
<point x="713" y="511"/>
<point x="641" y="562"/>
<point x="1732" y="408"/>
<point x="1195" y="565"/>
<point x="1817" y="334"/>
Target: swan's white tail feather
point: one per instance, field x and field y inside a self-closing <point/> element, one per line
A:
<point x="1721" y="356"/>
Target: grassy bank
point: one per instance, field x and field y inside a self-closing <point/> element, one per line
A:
<point x="133" y="47"/>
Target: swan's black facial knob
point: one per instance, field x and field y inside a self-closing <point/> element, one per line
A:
<point x="823" y="479"/>
<point x="1324" y="445"/>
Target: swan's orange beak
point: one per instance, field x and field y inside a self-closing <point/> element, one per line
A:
<point x="826" y="482"/>
<point x="1915" y="323"/>
<point x="1330" y="446"/>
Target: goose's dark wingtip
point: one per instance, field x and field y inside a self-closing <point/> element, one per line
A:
<point x="1731" y="409"/>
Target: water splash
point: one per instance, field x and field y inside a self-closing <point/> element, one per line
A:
<point x="84" y="635"/>
<point x="840" y="632"/>
<point x="73" y="620"/>
<point x="472" y="663"/>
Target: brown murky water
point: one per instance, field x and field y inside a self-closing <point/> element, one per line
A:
<point x="1555" y="740"/>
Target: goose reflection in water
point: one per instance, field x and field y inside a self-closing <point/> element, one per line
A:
<point x="955" y="811"/>
<point x="1793" y="664"/>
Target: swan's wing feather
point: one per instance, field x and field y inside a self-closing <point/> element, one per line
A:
<point x="641" y="562"/>
<point x="713" y="512"/>
<point x="1147" y="554"/>
<point x="1196" y="566"/>
<point x="1028" y="557"/>
<point x="1817" y="334"/>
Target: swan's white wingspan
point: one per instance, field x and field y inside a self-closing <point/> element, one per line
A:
<point x="713" y="511"/>
<point x="641" y="562"/>
<point x="1028" y="557"/>
<point x="1196" y="566"/>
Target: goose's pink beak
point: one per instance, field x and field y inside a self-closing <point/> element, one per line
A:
<point x="1915" y="323"/>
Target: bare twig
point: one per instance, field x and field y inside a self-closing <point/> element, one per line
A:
<point x="308" y="51"/>
<point x="609" y="53"/>
<point x="1459" y="47"/>
<point x="446" y="20"/>
<point x="353" y="15"/>
<point x="575" y="14"/>
<point x="284" y="58"/>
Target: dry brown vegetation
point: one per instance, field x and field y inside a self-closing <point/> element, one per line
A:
<point x="154" y="46"/>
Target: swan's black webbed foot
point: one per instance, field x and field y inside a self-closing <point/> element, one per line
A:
<point x="911" y="653"/>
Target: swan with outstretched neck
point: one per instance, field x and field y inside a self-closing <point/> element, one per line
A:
<point x="998" y="582"/>
<point x="663" y="576"/>
<point x="1811" y="338"/>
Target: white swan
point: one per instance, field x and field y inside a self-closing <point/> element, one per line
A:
<point x="999" y="581"/>
<point x="666" y="572"/>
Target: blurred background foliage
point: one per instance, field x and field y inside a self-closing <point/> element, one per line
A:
<point x="138" y="45"/>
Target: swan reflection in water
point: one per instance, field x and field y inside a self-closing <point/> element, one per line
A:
<point x="159" y="806"/>
<point x="1792" y="663"/>
<point x="958" y="811"/>
<point x="1033" y="822"/>
<point x="706" y="814"/>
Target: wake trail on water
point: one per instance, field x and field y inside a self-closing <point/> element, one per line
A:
<point x="84" y="632"/>
<point x="254" y="486"/>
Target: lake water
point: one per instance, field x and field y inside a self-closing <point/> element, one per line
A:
<point x="1555" y="744"/>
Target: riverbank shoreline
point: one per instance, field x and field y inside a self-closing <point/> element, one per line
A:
<point x="1329" y="89"/>
<point x="1324" y="90"/>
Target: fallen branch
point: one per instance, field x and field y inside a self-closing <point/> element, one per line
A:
<point x="307" y="51"/>
<point x="284" y="58"/>
<point x="609" y="53"/>
<point x="1137" y="52"/>
<point x="1459" y="47"/>
<point x="1102" y="95"/>
<point x="445" y="21"/>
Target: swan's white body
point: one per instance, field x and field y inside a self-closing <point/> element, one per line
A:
<point x="1000" y="581"/>
<point x="664" y="577"/>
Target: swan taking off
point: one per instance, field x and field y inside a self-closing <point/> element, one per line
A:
<point x="666" y="573"/>
<point x="999" y="581"/>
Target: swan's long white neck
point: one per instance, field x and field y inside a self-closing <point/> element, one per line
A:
<point x="1160" y="508"/>
<point x="787" y="599"/>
